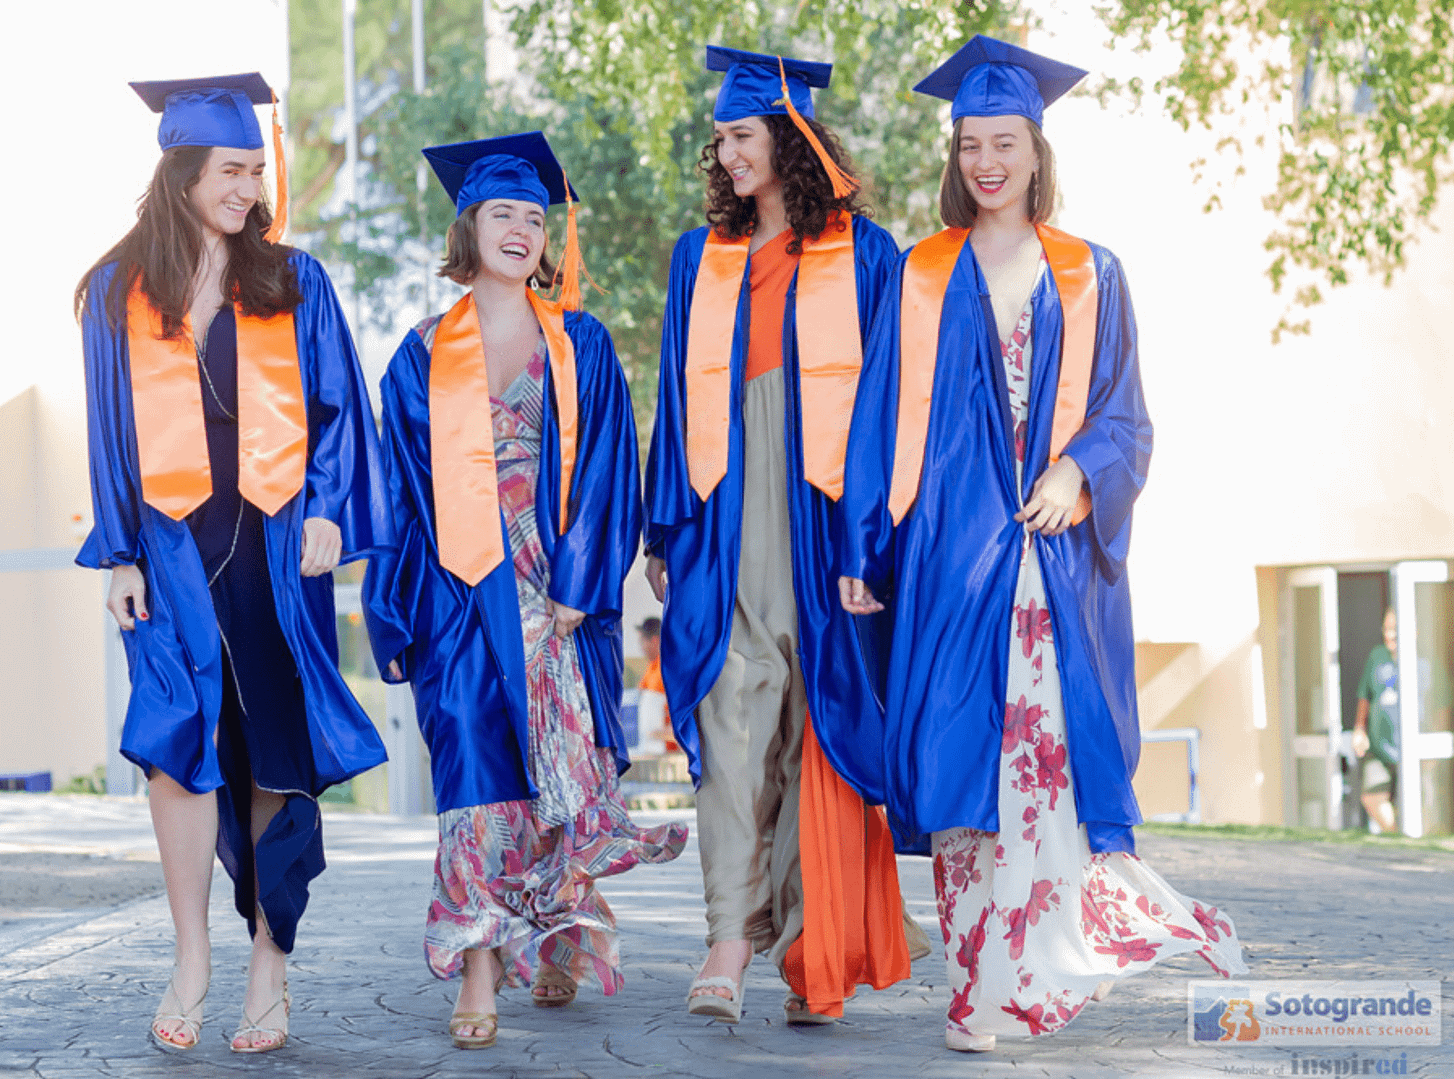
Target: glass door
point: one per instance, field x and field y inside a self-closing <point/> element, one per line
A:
<point x="1315" y="737"/>
<point x="1424" y="606"/>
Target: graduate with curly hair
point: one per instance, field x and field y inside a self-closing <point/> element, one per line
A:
<point x="767" y="313"/>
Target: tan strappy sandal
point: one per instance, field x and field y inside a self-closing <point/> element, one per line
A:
<point x="797" y="1013"/>
<point x="183" y="1015"/>
<point x="480" y="1021"/>
<point x="552" y="977"/>
<point x="252" y="1026"/>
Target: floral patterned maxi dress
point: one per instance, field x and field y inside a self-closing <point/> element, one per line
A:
<point x="1032" y="920"/>
<point x="520" y="876"/>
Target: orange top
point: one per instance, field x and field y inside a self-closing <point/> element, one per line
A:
<point x="171" y="436"/>
<point x="770" y="272"/>
<point x="651" y="680"/>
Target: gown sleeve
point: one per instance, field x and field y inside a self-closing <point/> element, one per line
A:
<point x="116" y="502"/>
<point x="343" y="482"/>
<point x="1113" y="446"/>
<point x="594" y="554"/>
<point x="669" y="494"/>
<point x="392" y="584"/>
<point x="866" y="538"/>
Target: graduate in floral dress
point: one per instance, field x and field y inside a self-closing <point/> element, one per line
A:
<point x="998" y="443"/>
<point x="510" y="454"/>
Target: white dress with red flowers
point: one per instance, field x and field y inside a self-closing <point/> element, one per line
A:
<point x="1032" y="920"/>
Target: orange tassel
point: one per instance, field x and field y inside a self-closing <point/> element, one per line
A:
<point x="280" y="211"/>
<point x="843" y="184"/>
<point x="572" y="266"/>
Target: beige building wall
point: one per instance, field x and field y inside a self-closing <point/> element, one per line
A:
<point x="52" y="715"/>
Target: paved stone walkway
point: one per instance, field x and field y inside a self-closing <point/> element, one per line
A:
<point x="75" y="998"/>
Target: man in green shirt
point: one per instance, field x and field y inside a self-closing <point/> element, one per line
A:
<point x="1375" y="728"/>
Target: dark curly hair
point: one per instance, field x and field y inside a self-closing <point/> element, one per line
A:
<point x="807" y="191"/>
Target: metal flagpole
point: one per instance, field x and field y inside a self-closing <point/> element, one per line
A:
<point x="350" y="153"/>
<point x="420" y="178"/>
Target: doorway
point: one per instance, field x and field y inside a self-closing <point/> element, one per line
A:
<point x="1331" y="621"/>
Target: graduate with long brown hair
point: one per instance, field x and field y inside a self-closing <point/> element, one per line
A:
<point x="233" y="466"/>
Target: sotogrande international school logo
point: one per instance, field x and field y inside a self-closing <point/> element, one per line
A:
<point x="1313" y="1013"/>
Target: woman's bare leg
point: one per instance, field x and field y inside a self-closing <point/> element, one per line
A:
<point x="477" y="987"/>
<point x="186" y="831"/>
<point x="267" y="971"/>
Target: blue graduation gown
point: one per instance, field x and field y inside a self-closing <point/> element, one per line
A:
<point x="948" y="570"/>
<point x="700" y="541"/>
<point x="176" y="657"/>
<point x="461" y="647"/>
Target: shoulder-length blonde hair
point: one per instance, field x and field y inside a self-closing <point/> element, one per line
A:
<point x="957" y="206"/>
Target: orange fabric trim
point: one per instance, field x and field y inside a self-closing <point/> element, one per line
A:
<point x="927" y="271"/>
<point x="769" y="276"/>
<point x="462" y="447"/>
<point x="567" y="397"/>
<point x="272" y="416"/>
<point x="853" y="929"/>
<point x="709" y="359"/>
<point x="830" y="355"/>
<point x="166" y="396"/>
<point x="1074" y="268"/>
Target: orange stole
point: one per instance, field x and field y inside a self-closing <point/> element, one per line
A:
<point x="462" y="436"/>
<point x="171" y="434"/>
<point x="829" y="358"/>
<point x="926" y="277"/>
<point x="853" y="929"/>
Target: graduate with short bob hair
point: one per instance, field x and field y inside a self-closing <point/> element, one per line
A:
<point x="510" y="458"/>
<point x="233" y="466"/>
<point x="999" y="441"/>
<point x="768" y="307"/>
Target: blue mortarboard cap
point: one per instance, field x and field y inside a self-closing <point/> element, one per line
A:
<point x="214" y="111"/>
<point x="753" y="85"/>
<point x="988" y="77"/>
<point x="508" y="167"/>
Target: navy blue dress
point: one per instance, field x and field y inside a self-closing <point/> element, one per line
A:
<point x="262" y="733"/>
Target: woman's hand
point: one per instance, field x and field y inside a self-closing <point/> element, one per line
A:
<point x="126" y="599"/>
<point x="566" y="618"/>
<point x="395" y="671"/>
<point x="1053" y="498"/>
<point x="656" y="577"/>
<point x="322" y="546"/>
<point x="856" y="597"/>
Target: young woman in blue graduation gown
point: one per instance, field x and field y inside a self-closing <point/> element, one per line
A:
<point x="998" y="444"/>
<point x="502" y="605"/>
<point x="220" y="534"/>
<point x="767" y="309"/>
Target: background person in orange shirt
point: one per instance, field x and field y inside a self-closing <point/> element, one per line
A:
<point x="653" y="720"/>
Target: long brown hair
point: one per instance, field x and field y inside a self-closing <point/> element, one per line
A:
<point x="957" y="207"/>
<point x="164" y="249"/>
<point x="807" y="192"/>
<point x="462" y="261"/>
